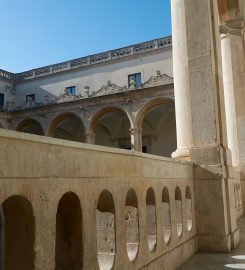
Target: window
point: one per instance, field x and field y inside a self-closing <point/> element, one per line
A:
<point x="134" y="80"/>
<point x="30" y="98"/>
<point x="1" y="101"/>
<point x="71" y="90"/>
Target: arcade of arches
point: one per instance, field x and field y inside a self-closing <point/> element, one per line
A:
<point x="153" y="131"/>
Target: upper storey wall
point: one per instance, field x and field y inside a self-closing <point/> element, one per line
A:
<point x="96" y="76"/>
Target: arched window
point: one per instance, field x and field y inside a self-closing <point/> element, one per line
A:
<point x="178" y="212"/>
<point x="151" y="219"/>
<point x="166" y="215"/>
<point x="68" y="248"/>
<point x="105" y="223"/>
<point x="188" y="208"/>
<point x="19" y="234"/>
<point x="132" y="225"/>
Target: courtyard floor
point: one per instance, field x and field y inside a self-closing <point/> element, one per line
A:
<point x="216" y="261"/>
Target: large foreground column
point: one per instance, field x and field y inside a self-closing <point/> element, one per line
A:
<point x="181" y="81"/>
<point x="214" y="192"/>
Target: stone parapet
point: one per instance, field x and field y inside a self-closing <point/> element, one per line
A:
<point x="105" y="57"/>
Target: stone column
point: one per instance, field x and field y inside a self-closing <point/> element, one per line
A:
<point x="215" y="215"/>
<point x="181" y="81"/>
<point x="136" y="139"/>
<point x="89" y="137"/>
<point x="233" y="61"/>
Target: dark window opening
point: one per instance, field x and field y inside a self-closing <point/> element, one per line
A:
<point x="30" y="98"/>
<point x="134" y="80"/>
<point x="1" y="101"/>
<point x="71" y="90"/>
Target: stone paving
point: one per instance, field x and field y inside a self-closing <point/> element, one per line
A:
<point x="217" y="261"/>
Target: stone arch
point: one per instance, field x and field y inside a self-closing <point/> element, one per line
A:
<point x="178" y="212"/>
<point x="19" y="233"/>
<point x="30" y="125"/>
<point x="67" y="126"/>
<point x="166" y="215"/>
<point x="105" y="226"/>
<point x="156" y="120"/>
<point x="111" y="126"/>
<point x="69" y="248"/>
<point x="151" y="219"/>
<point x="188" y="208"/>
<point x="132" y="225"/>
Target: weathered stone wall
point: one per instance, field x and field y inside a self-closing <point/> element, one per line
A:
<point x="41" y="170"/>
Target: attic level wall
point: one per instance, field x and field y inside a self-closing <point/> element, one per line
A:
<point x="97" y="76"/>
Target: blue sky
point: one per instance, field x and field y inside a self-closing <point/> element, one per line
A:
<point x="36" y="33"/>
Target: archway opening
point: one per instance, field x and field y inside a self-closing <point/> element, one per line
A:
<point x="151" y="219"/>
<point x="68" y="127"/>
<point x="68" y="248"/>
<point x="178" y="212"/>
<point x="19" y="231"/>
<point x="188" y="208"/>
<point x="166" y="215"/>
<point x="105" y="224"/>
<point x="132" y="225"/>
<point x="159" y="130"/>
<point x="30" y="126"/>
<point x="112" y="129"/>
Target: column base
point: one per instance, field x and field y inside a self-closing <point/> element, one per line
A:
<point x="182" y="154"/>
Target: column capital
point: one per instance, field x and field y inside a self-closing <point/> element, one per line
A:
<point x="233" y="27"/>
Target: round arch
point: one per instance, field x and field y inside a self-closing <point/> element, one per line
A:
<point x="30" y="125"/>
<point x="106" y="230"/>
<point x="100" y="113"/>
<point x="156" y="122"/>
<point x="111" y="127"/>
<point x="67" y="126"/>
<point x="69" y="248"/>
<point x="19" y="233"/>
<point x="149" y="106"/>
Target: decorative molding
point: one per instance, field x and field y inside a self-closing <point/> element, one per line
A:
<point x="6" y="75"/>
<point x="92" y="59"/>
<point x="158" y="79"/>
<point x="109" y="88"/>
<point x="65" y="97"/>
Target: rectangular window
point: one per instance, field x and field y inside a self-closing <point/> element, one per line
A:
<point x="1" y="101"/>
<point x="134" y="80"/>
<point x="30" y="98"/>
<point x="71" y="90"/>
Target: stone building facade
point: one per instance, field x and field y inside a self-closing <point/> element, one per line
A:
<point x="122" y="98"/>
<point x="71" y="205"/>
